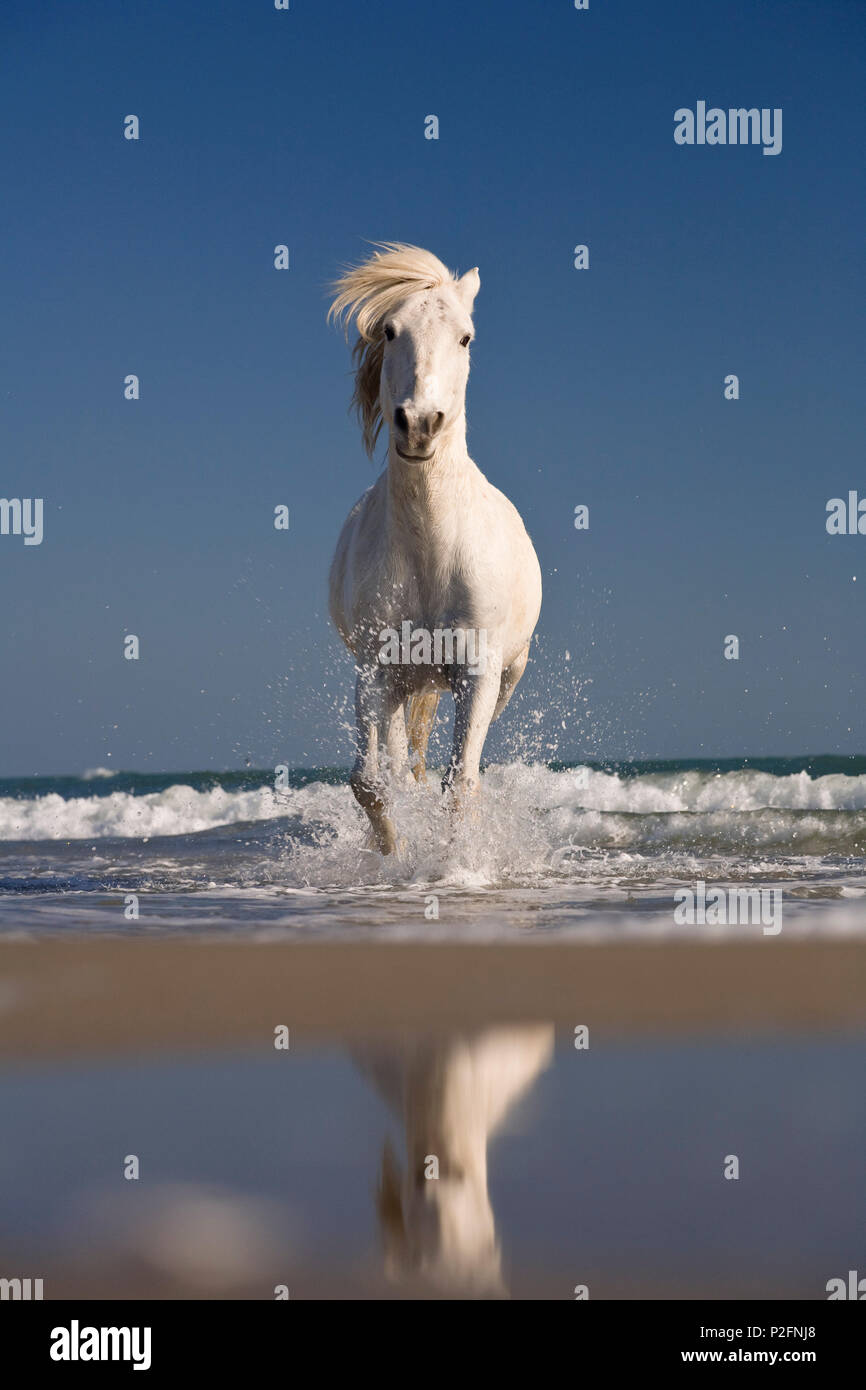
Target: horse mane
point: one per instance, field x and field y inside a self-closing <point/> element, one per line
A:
<point x="368" y="293"/>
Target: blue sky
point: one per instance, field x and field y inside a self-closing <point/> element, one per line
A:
<point x="602" y="387"/>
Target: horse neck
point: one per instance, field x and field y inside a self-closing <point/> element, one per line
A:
<point x="423" y="497"/>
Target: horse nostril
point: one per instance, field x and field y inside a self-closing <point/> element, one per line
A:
<point x="400" y="419"/>
<point x="436" y="422"/>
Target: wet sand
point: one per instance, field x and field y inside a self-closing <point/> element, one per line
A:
<point x="105" y="997"/>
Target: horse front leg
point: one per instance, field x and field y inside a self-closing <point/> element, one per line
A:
<point x="376" y="703"/>
<point x="475" y="696"/>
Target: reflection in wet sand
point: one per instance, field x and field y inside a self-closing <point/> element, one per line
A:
<point x="258" y="1166"/>
<point x="450" y="1096"/>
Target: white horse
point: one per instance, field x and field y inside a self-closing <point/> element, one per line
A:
<point x="432" y="545"/>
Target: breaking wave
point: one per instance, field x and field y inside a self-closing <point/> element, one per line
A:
<point x="565" y="809"/>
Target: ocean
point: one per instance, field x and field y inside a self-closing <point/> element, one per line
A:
<point x="589" y="851"/>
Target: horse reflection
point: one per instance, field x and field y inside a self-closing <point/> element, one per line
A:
<point x="450" y="1097"/>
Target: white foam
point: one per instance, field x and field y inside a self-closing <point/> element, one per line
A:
<point x="577" y="807"/>
<point x="586" y="789"/>
<point x="179" y="810"/>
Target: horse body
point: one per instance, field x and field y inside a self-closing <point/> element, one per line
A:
<point x="432" y="543"/>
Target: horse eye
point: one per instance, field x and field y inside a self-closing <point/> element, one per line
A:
<point x="466" y="340"/>
<point x="389" y="333"/>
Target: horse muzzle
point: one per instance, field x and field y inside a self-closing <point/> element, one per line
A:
<point x="415" y="430"/>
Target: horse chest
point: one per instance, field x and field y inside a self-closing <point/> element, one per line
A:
<point x="431" y="589"/>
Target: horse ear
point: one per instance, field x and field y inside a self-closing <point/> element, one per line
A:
<point x="468" y="286"/>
